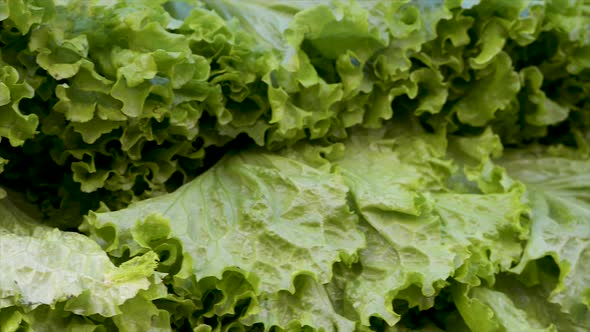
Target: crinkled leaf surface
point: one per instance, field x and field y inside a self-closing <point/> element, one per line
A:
<point x="467" y="236"/>
<point x="512" y="305"/>
<point x="43" y="266"/>
<point x="419" y="231"/>
<point x="557" y="189"/>
<point x="308" y="306"/>
<point x="268" y="217"/>
<point x="117" y="101"/>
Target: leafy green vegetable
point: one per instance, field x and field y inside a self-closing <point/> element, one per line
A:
<point x="413" y="165"/>
<point x="431" y="232"/>
<point x="268" y="217"/>
<point x="511" y="305"/>
<point x="559" y="206"/>
<point x="78" y="272"/>
<point x="55" y="277"/>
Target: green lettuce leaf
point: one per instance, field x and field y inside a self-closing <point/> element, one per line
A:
<point x="419" y="230"/>
<point x="308" y="306"/>
<point x="25" y="14"/>
<point x="45" y="319"/>
<point x="511" y="305"/>
<point x="100" y="84"/>
<point x="141" y="313"/>
<point x="45" y="266"/>
<point x="15" y="125"/>
<point x="392" y="193"/>
<point x="488" y="310"/>
<point x="265" y="216"/>
<point x="137" y="314"/>
<point x="559" y="210"/>
<point x="495" y="86"/>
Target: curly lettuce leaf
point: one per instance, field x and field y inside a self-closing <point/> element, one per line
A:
<point x="495" y="86"/>
<point x="45" y="319"/>
<point x="46" y="266"/>
<point x="308" y="306"/>
<point x="140" y="96"/>
<point x="137" y="314"/>
<point x="512" y="305"/>
<point x="15" y="124"/>
<point x="99" y="85"/>
<point x="421" y="228"/>
<point x="135" y="98"/>
<point x="25" y="14"/>
<point x="557" y="193"/>
<point x="141" y="313"/>
<point x="265" y="216"/>
<point x="499" y="313"/>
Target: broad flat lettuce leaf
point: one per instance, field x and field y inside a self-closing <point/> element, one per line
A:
<point x="46" y="266"/>
<point x="54" y="280"/>
<point x="417" y="234"/>
<point x="265" y="216"/>
<point x="137" y="314"/>
<point x="256" y="228"/>
<point x="557" y="190"/>
<point x="420" y="231"/>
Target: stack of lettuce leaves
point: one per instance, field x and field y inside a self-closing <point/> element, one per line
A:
<point x="250" y="165"/>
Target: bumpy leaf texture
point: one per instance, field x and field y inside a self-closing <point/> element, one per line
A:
<point x="557" y="189"/>
<point x="379" y="196"/>
<point x="55" y="280"/>
<point x="131" y="99"/>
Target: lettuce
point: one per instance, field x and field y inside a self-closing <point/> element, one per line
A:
<point x="556" y="193"/>
<point x="60" y="277"/>
<point x="199" y="165"/>
<point x="264" y="203"/>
